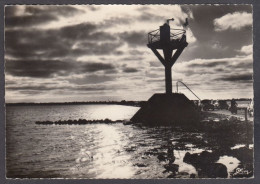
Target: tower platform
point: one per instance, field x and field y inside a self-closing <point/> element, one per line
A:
<point x="167" y="109"/>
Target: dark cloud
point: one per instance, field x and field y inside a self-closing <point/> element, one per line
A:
<point x="155" y="64"/>
<point x="118" y="52"/>
<point x="133" y="58"/>
<point x="92" y="79"/>
<point x="206" y="14"/>
<point x="130" y="70"/>
<point x="58" y="10"/>
<point x="84" y="31"/>
<point x="202" y="27"/>
<point x="223" y="65"/>
<point x="190" y="72"/>
<point x="9" y="82"/>
<point x="134" y="38"/>
<point x="93" y="67"/>
<point x="78" y="31"/>
<point x="93" y="48"/>
<point x="114" y="71"/>
<point x="93" y="7"/>
<point x="35" y="15"/>
<point x="101" y="36"/>
<point x="114" y="21"/>
<point x="28" y="20"/>
<point x="49" y="68"/>
<point x="85" y="48"/>
<point x="53" y="39"/>
<point x="143" y="8"/>
<point x="152" y="75"/>
<point x="59" y="43"/>
<point x="33" y="89"/>
<point x="91" y="88"/>
<point x="135" y="52"/>
<point x="219" y="70"/>
<point x="156" y="80"/>
<point x="31" y="92"/>
<point x="33" y="43"/>
<point x="244" y="65"/>
<point x="209" y="64"/>
<point x="238" y="78"/>
<point x="10" y="11"/>
<point x="37" y="68"/>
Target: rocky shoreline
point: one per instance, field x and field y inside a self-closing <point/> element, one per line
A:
<point x="216" y="132"/>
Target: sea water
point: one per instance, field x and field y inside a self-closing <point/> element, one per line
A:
<point x="88" y="151"/>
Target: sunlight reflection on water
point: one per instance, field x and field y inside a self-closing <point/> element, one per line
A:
<point x="113" y="112"/>
<point x="112" y="163"/>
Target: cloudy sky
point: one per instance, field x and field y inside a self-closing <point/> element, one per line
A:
<point x="99" y="52"/>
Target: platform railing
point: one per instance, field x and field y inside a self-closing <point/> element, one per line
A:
<point x="187" y="88"/>
<point x="175" y="34"/>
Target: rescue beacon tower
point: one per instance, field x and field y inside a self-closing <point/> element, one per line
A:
<point x="167" y="108"/>
<point x="167" y="40"/>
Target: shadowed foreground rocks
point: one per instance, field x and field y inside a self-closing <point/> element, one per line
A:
<point x="205" y="165"/>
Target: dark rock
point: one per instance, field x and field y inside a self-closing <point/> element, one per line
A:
<point x="172" y="175"/>
<point x="132" y="148"/>
<point x="150" y="152"/>
<point x="243" y="154"/>
<point x="127" y="122"/>
<point x="191" y="158"/>
<point x="76" y="122"/>
<point x="203" y="158"/>
<point x="207" y="157"/>
<point x="161" y="157"/>
<point x="192" y="175"/>
<point x="140" y="165"/>
<point x="205" y="164"/>
<point x="183" y="173"/>
<point x="214" y="170"/>
<point x="171" y="167"/>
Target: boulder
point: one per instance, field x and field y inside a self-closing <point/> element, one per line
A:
<point x="205" y="164"/>
<point x="214" y="170"/>
<point x="171" y="167"/>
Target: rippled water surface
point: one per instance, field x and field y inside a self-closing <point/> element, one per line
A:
<point x="89" y="151"/>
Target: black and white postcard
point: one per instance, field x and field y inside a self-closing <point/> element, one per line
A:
<point x="129" y="91"/>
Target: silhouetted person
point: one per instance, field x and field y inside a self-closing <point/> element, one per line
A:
<point x="233" y="107"/>
<point x="170" y="154"/>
